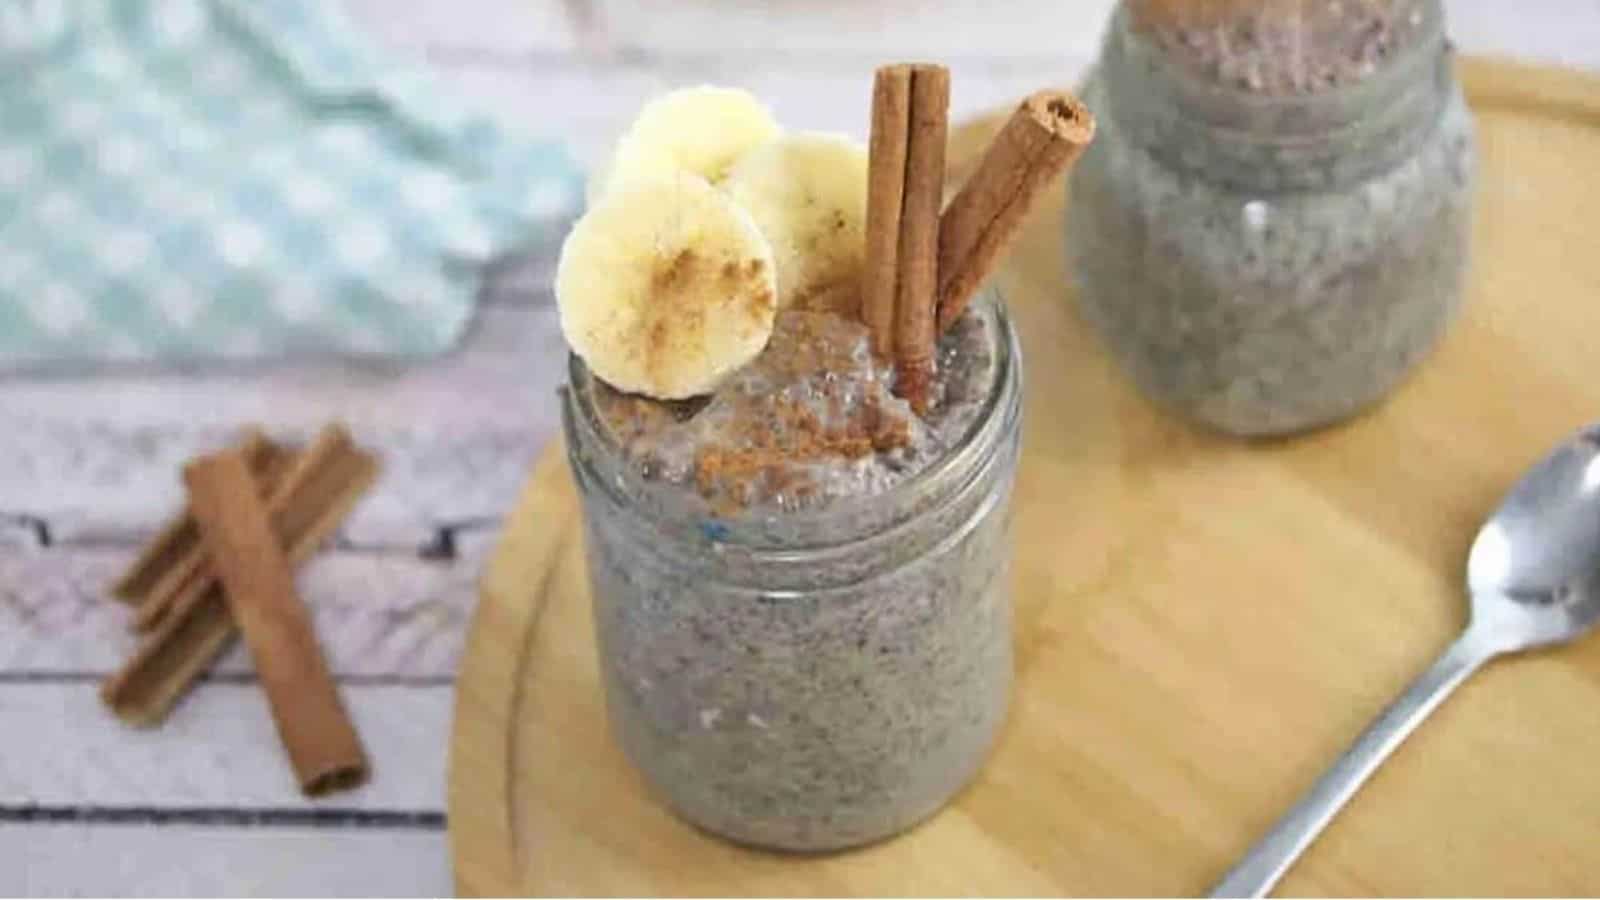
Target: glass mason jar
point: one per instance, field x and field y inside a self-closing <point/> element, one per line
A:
<point x="806" y="680"/>
<point x="1269" y="263"/>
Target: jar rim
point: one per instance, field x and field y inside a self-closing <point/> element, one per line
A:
<point x="939" y="483"/>
<point x="1258" y="142"/>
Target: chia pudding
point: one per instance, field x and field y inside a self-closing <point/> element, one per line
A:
<point x="1271" y="230"/>
<point x="800" y="587"/>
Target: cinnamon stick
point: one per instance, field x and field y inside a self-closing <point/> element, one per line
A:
<point x="312" y="722"/>
<point x="886" y="185"/>
<point x="189" y="574"/>
<point x="177" y="545"/>
<point x="170" y="660"/>
<point x="1045" y="136"/>
<point x="314" y="496"/>
<point x="918" y="264"/>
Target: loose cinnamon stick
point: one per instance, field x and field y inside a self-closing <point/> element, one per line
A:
<point x="189" y="575"/>
<point x="316" y="730"/>
<point x="886" y="186"/>
<point x="314" y="497"/>
<point x="277" y="473"/>
<point x="170" y="660"/>
<point x="178" y="543"/>
<point x="1045" y="136"/>
<point x="918" y="264"/>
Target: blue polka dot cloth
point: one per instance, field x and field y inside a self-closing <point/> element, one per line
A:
<point x="241" y="180"/>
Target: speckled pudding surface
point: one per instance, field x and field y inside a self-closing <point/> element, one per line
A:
<point x="811" y="421"/>
<point x="800" y="588"/>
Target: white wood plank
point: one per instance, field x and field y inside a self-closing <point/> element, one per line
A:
<point x="18" y="533"/>
<point x="805" y="58"/>
<point x="462" y="390"/>
<point x="527" y="26"/>
<point x="1563" y="32"/>
<point x="594" y="103"/>
<point x="885" y="29"/>
<point x="124" y="861"/>
<point x="376" y="615"/>
<point x="964" y="31"/>
<point x="100" y="457"/>
<point x="218" y="749"/>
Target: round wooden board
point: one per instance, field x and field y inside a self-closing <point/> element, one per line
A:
<point x="1202" y="623"/>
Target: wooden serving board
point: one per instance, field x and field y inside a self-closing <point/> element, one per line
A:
<point x="1203" y="624"/>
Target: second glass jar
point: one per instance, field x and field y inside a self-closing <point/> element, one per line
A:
<point x="1266" y="264"/>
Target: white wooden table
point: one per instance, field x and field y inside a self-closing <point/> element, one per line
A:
<point x="88" y="468"/>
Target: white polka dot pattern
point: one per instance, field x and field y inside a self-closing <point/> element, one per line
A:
<point x="241" y="244"/>
<point x="59" y="309"/>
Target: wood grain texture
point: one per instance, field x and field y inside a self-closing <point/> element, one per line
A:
<point x="1202" y="624"/>
<point x="98" y="459"/>
<point x="945" y="30"/>
<point x="485" y="847"/>
<point x="377" y="615"/>
<point x="218" y="750"/>
<point x="164" y="862"/>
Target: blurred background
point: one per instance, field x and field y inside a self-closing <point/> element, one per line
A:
<point x="582" y="67"/>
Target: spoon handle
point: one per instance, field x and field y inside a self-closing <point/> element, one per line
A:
<point x="1266" y="862"/>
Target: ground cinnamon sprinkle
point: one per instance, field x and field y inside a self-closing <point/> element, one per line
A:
<point x="665" y="277"/>
<point x="771" y="454"/>
<point x="669" y="325"/>
<point x="683" y="272"/>
<point x="753" y="269"/>
<point x="811" y="420"/>
<point x="733" y="272"/>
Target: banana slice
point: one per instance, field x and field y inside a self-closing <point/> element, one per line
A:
<point x="703" y="130"/>
<point x="665" y="287"/>
<point x="808" y="195"/>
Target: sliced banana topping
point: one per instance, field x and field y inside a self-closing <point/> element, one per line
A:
<point x="808" y="194"/>
<point x="666" y="286"/>
<point x="703" y="130"/>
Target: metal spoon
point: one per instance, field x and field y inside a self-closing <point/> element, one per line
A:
<point x="1534" y="576"/>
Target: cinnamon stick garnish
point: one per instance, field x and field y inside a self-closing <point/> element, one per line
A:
<point x="886" y="187"/>
<point x="176" y="548"/>
<point x="915" y="334"/>
<point x="311" y="500"/>
<point x="312" y="722"/>
<point x="1045" y="135"/>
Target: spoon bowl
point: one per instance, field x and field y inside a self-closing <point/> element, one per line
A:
<point x="1534" y="577"/>
<point x="1534" y="569"/>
